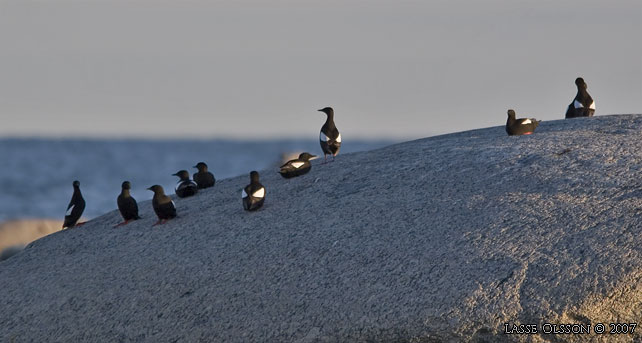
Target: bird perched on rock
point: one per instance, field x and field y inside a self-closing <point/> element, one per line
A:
<point x="163" y="205"/>
<point x="297" y="166"/>
<point x="75" y="208"/>
<point x="583" y="105"/>
<point x="185" y="187"/>
<point x="127" y="205"/>
<point x="521" y="126"/>
<point x="203" y="178"/>
<point x="253" y="195"/>
<point x="329" y="137"/>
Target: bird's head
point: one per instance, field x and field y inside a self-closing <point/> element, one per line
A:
<point x="126" y="185"/>
<point x="156" y="189"/>
<point x="511" y="113"/>
<point x="327" y="110"/>
<point x="254" y="176"/>
<point x="201" y="166"/>
<point x="76" y="184"/>
<point x="183" y="174"/>
<point x="307" y="157"/>
<point x="579" y="82"/>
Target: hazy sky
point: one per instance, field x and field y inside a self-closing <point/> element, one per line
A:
<point x="261" y="69"/>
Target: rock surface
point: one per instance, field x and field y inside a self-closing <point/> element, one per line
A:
<point x="10" y="251"/>
<point x="442" y="239"/>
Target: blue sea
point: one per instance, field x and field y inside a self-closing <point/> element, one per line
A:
<point x="36" y="174"/>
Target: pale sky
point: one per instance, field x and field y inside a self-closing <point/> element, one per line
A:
<point x="261" y="69"/>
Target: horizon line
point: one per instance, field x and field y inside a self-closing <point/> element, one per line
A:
<point x="200" y="137"/>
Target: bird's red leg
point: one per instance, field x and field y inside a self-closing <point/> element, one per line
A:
<point x="158" y="222"/>
<point x="80" y="224"/>
<point x="123" y="223"/>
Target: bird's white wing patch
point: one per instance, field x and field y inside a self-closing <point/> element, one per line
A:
<point x="69" y="210"/>
<point x="243" y="194"/>
<point x="324" y="138"/>
<point x="297" y="164"/>
<point x="592" y="105"/>
<point x="173" y="204"/>
<point x="527" y="121"/>
<point x="577" y="104"/>
<point x="259" y="194"/>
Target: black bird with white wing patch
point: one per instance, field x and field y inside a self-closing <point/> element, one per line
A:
<point x="127" y="204"/>
<point x="297" y="166"/>
<point x="204" y="179"/>
<point x="163" y="205"/>
<point x="75" y="208"/>
<point x="185" y="187"/>
<point x="521" y="126"/>
<point x="582" y="105"/>
<point x="329" y="137"/>
<point x="253" y="195"/>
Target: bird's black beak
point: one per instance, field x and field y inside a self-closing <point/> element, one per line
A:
<point x="149" y="188"/>
<point x="175" y="174"/>
<point x="194" y="167"/>
<point x="321" y="110"/>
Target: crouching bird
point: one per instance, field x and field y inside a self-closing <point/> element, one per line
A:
<point x="253" y="195"/>
<point x="163" y="205"/>
<point x="204" y="179"/>
<point x="297" y="166"/>
<point x="521" y="126"/>
<point x="185" y="187"/>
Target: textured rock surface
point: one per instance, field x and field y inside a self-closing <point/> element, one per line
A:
<point x="436" y="240"/>
<point x="10" y="251"/>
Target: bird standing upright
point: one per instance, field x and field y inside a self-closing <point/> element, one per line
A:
<point x="253" y="195"/>
<point x="582" y="105"/>
<point x="127" y="204"/>
<point x="329" y="137"/>
<point x="521" y="126"/>
<point x="185" y="187"/>
<point x="75" y="208"/>
<point x="163" y="205"/>
<point x="203" y="178"/>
